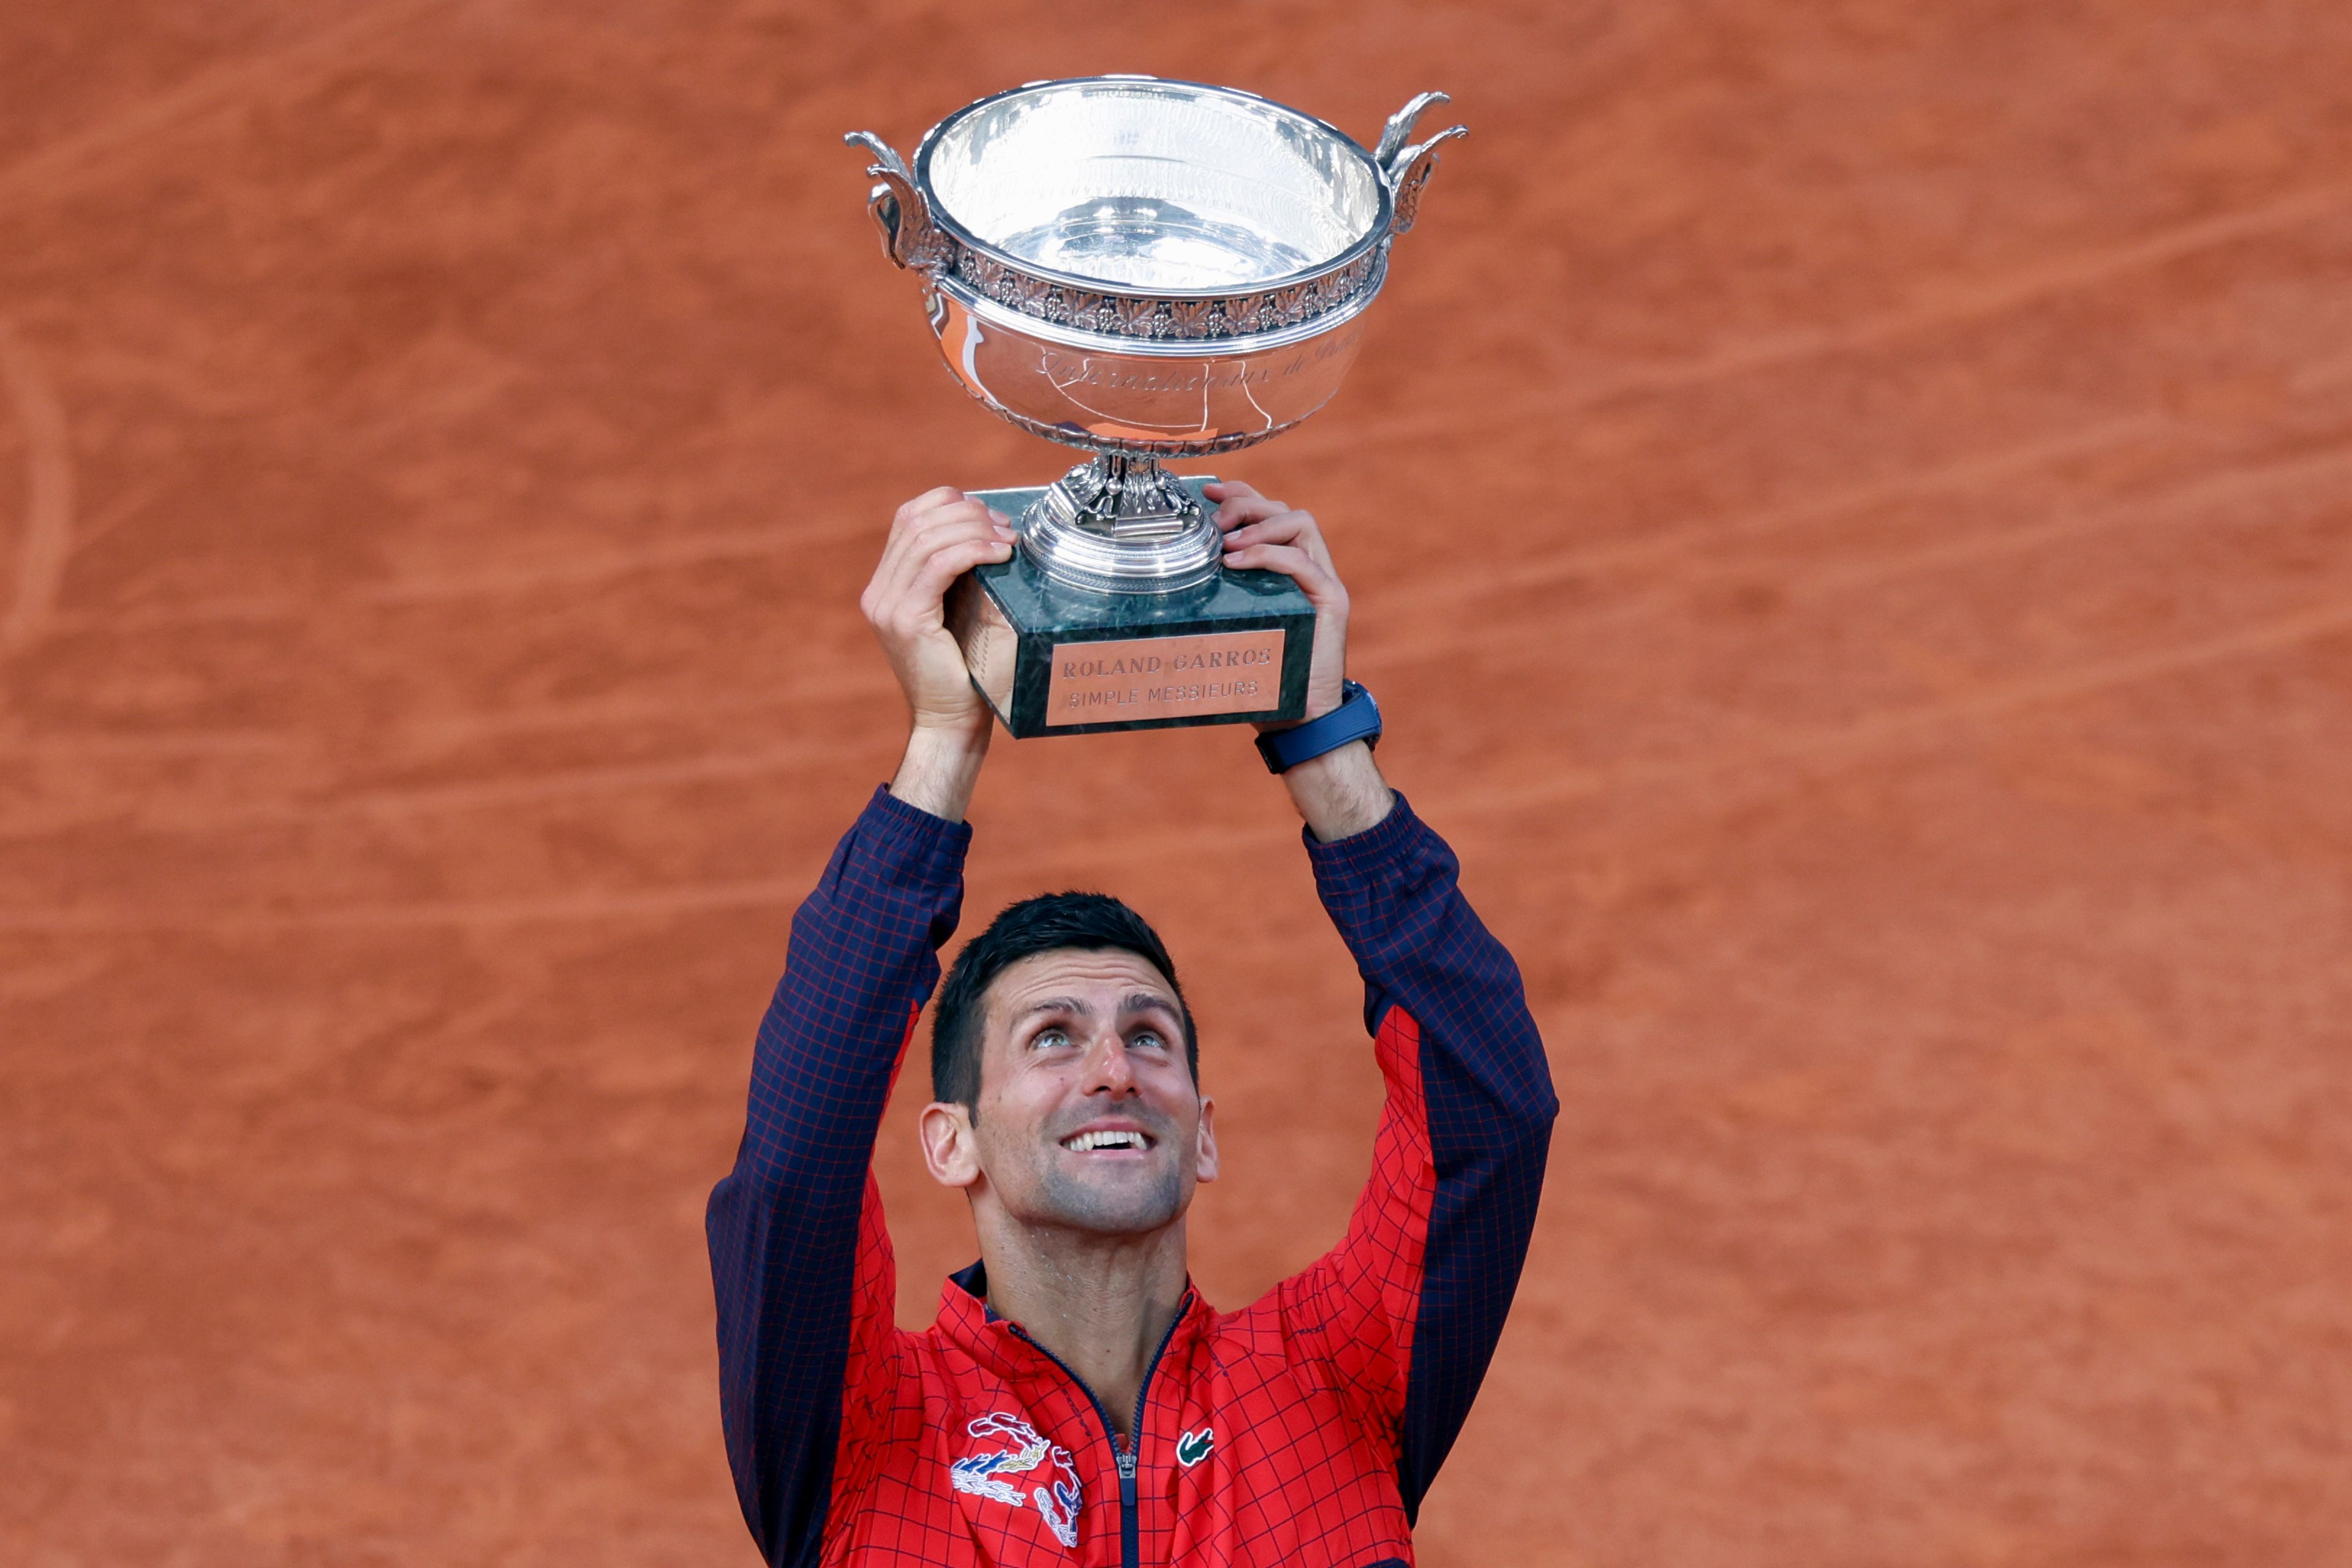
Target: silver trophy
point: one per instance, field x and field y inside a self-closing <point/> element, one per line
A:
<point x="1143" y="270"/>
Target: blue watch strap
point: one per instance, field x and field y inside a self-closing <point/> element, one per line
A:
<point x="1358" y="717"/>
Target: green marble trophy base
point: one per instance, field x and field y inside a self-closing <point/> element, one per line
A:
<point x="1056" y="660"/>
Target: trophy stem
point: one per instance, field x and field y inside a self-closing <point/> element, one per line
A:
<point x="1122" y="524"/>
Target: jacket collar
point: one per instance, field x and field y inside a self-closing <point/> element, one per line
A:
<point x="967" y="1320"/>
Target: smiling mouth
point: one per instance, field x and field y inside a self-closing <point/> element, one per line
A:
<point x="1087" y="1142"/>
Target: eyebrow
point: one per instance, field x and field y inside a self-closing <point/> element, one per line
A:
<point x="1147" y="1002"/>
<point x="1134" y="1002"/>
<point x="1058" y="1004"/>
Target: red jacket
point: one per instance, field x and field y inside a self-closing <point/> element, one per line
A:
<point x="1301" y="1430"/>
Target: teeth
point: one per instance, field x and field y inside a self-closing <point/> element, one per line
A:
<point x="1087" y="1142"/>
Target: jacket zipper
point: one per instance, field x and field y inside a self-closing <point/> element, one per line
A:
<point x="1130" y="1543"/>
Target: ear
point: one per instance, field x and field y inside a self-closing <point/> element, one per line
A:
<point x="1204" y="1142"/>
<point x="949" y="1152"/>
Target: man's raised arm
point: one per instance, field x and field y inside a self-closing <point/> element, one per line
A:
<point x="1440" y="1234"/>
<point x="1406" y="1310"/>
<point x="800" y="1261"/>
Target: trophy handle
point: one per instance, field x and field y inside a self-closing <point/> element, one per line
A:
<point x="1400" y="126"/>
<point x="1410" y="171"/>
<point x="898" y="208"/>
<point x="1408" y="168"/>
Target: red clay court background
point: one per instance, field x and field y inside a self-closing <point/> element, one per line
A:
<point x="1850" y="509"/>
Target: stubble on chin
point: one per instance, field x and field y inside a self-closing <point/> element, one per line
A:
<point x="1111" y="1207"/>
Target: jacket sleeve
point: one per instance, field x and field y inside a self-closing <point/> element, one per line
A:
<point x="1407" y="1308"/>
<point x="800" y="1262"/>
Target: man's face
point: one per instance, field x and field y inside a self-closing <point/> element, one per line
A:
<point x="1087" y="1116"/>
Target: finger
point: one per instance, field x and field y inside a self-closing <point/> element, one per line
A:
<point x="1297" y="528"/>
<point x="1282" y="528"/>
<point x="961" y="518"/>
<point x="1228" y="490"/>
<point x="1248" y="509"/>
<point x="954" y="531"/>
<point x="916" y="536"/>
<point x="902" y="583"/>
<point x="962" y="510"/>
<point x="1320" y="583"/>
<point x="938" y="496"/>
<point x="920" y="536"/>
<point x="924" y="530"/>
<point x="945" y="566"/>
<point x="914" y="604"/>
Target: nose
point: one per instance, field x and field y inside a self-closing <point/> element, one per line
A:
<point x="1108" y="1070"/>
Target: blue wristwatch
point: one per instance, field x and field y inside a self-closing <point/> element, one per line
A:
<point x="1358" y="717"/>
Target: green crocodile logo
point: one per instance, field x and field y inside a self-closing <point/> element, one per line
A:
<point x="1191" y="1448"/>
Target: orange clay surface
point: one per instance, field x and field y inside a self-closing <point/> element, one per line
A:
<point x="1850" y="513"/>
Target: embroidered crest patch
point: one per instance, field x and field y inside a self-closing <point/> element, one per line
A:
<point x="1191" y="1448"/>
<point x="1029" y="1456"/>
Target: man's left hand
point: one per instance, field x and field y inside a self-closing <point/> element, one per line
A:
<point x="1268" y="536"/>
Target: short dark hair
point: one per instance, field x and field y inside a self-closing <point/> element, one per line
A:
<point x="1090" y="923"/>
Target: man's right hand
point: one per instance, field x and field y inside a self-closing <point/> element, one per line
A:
<point x="935" y="539"/>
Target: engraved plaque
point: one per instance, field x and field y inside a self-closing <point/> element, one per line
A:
<point x="1121" y="681"/>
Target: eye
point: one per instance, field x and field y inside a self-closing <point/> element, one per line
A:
<point x="1150" y="1037"/>
<point x="1049" y="1039"/>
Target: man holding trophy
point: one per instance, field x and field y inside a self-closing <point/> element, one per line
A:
<point x="1077" y="1400"/>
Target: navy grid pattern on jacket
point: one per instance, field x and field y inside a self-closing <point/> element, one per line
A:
<point x="784" y="1226"/>
<point x="1332" y="1402"/>
<point x="1488" y="1090"/>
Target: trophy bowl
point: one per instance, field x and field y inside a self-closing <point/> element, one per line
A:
<point x="1144" y="269"/>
